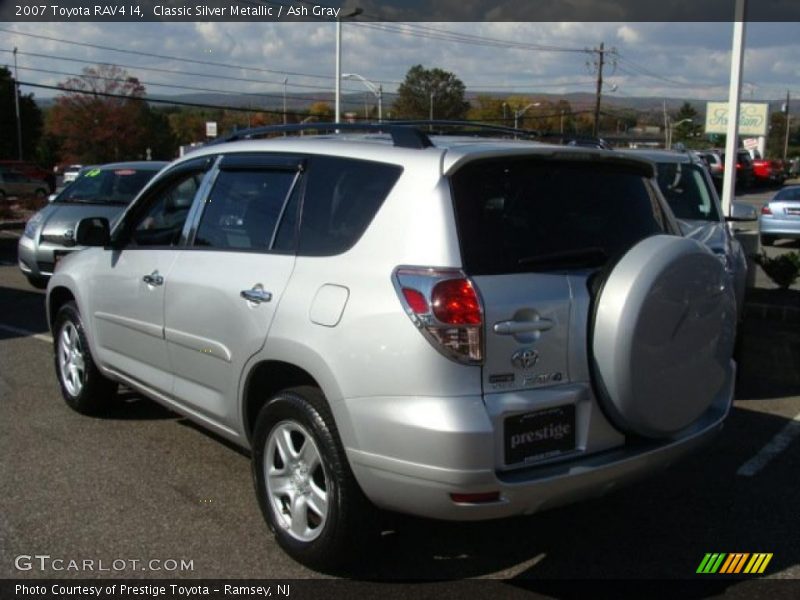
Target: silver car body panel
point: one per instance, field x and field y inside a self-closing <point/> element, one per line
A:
<point x="415" y="425"/>
<point x="784" y="222"/>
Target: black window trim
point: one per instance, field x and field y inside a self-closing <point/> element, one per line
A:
<point x="122" y="233"/>
<point x="241" y="161"/>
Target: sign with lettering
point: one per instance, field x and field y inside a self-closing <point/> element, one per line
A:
<point x="753" y="118"/>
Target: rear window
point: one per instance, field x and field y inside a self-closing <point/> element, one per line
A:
<point x="788" y="194"/>
<point x="526" y="215"/>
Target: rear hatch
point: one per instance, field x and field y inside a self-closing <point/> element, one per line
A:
<point x="531" y="231"/>
<point x="597" y="326"/>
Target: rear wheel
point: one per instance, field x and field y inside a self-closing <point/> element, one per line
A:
<point x="83" y="387"/>
<point x="768" y="240"/>
<point x="305" y="488"/>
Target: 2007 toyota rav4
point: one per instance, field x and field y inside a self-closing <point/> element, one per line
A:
<point x="465" y="329"/>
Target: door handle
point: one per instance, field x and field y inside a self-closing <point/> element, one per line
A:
<point x="257" y="294"/>
<point x="153" y="279"/>
<point x="516" y="327"/>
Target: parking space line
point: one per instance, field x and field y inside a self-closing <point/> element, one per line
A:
<point x="773" y="448"/>
<point x="19" y="331"/>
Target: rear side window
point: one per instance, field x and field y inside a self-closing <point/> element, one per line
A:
<point x="527" y="215"/>
<point x="243" y="209"/>
<point x="342" y="196"/>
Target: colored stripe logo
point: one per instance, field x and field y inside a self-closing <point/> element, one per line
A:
<point x="734" y="563"/>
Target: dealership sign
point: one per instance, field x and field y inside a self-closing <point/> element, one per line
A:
<point x="752" y="118"/>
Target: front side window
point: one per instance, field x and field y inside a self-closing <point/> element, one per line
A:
<point x="243" y="209"/>
<point x="157" y="218"/>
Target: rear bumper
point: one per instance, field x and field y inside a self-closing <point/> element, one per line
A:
<point x="788" y="228"/>
<point x="453" y="451"/>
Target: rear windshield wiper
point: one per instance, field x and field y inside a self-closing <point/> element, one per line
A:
<point x="591" y="256"/>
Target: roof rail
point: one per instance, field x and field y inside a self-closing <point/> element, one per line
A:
<point x="403" y="136"/>
<point x="474" y="127"/>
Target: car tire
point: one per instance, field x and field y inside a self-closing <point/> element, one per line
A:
<point x="40" y="193"/>
<point x="83" y="387"/>
<point x="767" y="240"/>
<point x="305" y="488"/>
<point x="40" y="283"/>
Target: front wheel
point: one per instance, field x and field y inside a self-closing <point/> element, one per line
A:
<point x="305" y="487"/>
<point x="83" y="387"/>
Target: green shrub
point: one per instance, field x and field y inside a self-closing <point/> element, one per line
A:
<point x="783" y="269"/>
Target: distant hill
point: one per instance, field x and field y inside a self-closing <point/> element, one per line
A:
<point x="355" y="101"/>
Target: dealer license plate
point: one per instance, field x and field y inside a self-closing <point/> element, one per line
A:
<point x="540" y="435"/>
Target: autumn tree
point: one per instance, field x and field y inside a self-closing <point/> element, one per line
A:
<point x="30" y="120"/>
<point x="490" y="109"/>
<point x="321" y="110"/>
<point x="101" y="116"/>
<point x="425" y="88"/>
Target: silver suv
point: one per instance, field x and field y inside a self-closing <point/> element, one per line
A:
<point x="460" y="329"/>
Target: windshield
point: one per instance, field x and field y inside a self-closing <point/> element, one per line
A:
<point x="107" y="186"/>
<point x="687" y="191"/>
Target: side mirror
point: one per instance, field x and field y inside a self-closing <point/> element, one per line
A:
<point x="93" y="231"/>
<point x="742" y="212"/>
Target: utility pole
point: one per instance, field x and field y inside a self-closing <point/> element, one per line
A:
<point x="600" y="61"/>
<point x="786" y="139"/>
<point x="16" y="106"/>
<point x="285" y="81"/>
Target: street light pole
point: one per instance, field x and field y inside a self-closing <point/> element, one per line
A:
<point x="522" y="111"/>
<point x="376" y="90"/>
<point x="338" y="90"/>
<point x="16" y="106"/>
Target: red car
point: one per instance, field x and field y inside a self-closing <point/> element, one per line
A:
<point x="30" y="170"/>
<point x="768" y="172"/>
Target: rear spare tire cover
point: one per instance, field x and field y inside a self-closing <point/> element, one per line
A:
<point x="663" y="334"/>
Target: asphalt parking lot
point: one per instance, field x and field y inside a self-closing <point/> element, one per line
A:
<point x="146" y="484"/>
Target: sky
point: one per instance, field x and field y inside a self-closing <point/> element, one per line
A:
<point x="676" y="60"/>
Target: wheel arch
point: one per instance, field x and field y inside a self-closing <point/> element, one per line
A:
<point x="57" y="298"/>
<point x="265" y="379"/>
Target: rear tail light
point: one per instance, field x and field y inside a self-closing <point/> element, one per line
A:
<point x="766" y="210"/>
<point x="446" y="308"/>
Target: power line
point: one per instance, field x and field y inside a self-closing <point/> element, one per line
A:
<point x="165" y="56"/>
<point x="176" y="72"/>
<point x="162" y="101"/>
<point x="171" y="85"/>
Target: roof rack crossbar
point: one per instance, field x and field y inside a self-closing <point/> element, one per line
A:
<point x="403" y="136"/>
